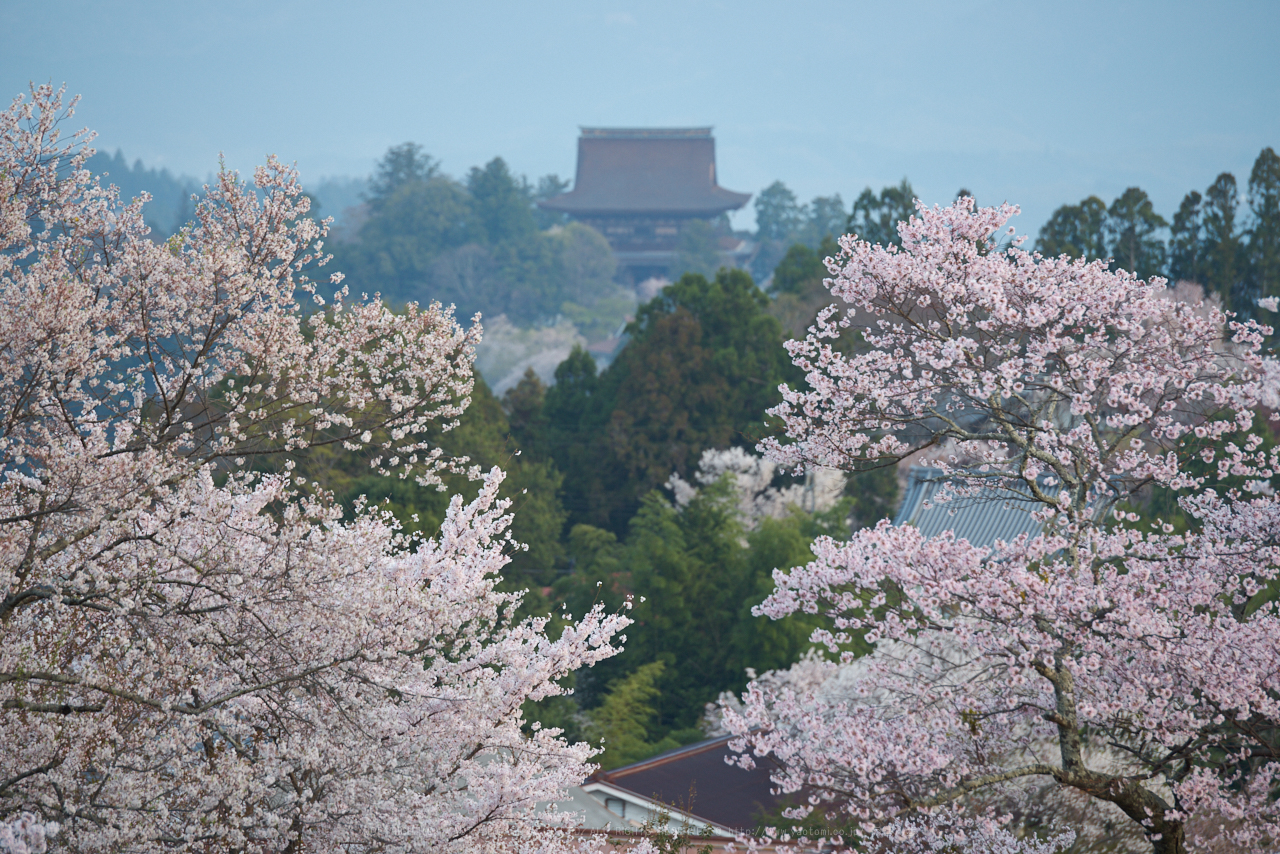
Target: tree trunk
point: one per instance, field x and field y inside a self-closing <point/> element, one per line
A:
<point x="1172" y="841"/>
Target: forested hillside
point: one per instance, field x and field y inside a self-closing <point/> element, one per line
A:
<point x="170" y="205"/>
<point x="651" y="428"/>
<point x="479" y="243"/>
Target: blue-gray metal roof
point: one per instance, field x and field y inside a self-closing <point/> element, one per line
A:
<point x="990" y="515"/>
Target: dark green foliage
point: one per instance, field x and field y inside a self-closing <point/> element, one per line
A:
<point x="1158" y="504"/>
<point x="699" y="574"/>
<point x="1132" y="234"/>
<point x="1264" y="236"/>
<point x="538" y="518"/>
<point x="875" y="218"/>
<point x="524" y="404"/>
<point x="1223" y="258"/>
<point x="1077" y="231"/>
<point x="704" y="366"/>
<point x="872" y="496"/>
<point x="625" y="721"/>
<point x="576" y="411"/>
<point x="1186" y="241"/>
<point x="562" y="713"/>
<point x="1210" y="243"/>
<point x="690" y="569"/>
<point x="760" y="643"/>
<point x="797" y="269"/>
<point x="483" y="436"/>
<point x="704" y="363"/>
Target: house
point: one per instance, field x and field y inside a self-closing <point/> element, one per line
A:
<point x="642" y="187"/>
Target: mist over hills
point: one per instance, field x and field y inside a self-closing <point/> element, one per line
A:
<point x="171" y="205"/>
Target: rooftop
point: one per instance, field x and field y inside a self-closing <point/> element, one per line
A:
<point x="696" y="780"/>
<point x="648" y="171"/>
<point x="990" y="515"/>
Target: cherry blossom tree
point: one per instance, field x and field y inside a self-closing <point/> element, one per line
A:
<point x="1132" y="665"/>
<point x="198" y="656"/>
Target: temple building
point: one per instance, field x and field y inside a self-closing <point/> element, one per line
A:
<point x="641" y="187"/>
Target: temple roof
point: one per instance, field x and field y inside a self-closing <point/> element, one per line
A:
<point x="647" y="171"/>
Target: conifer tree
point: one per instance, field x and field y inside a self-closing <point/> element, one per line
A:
<point x="1186" y="246"/>
<point x="1264" y="231"/>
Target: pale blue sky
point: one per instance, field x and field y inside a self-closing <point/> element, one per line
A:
<point x="1033" y="103"/>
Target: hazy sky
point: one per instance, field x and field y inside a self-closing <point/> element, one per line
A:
<point x="1034" y="103"/>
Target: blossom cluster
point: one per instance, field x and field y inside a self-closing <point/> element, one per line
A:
<point x="751" y="480"/>
<point x="197" y="655"/>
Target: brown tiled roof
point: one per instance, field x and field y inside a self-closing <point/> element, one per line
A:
<point x="724" y="794"/>
<point x="647" y="171"/>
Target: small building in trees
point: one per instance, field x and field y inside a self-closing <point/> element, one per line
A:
<point x="652" y="192"/>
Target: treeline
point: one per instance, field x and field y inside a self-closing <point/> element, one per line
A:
<point x="783" y="223"/>
<point x="482" y="243"/>
<point x="1226" y="239"/>
<point x="1228" y="245"/>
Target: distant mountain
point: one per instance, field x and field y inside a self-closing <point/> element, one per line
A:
<point x="170" y="204"/>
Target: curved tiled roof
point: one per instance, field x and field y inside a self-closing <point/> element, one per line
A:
<point x="646" y="171"/>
